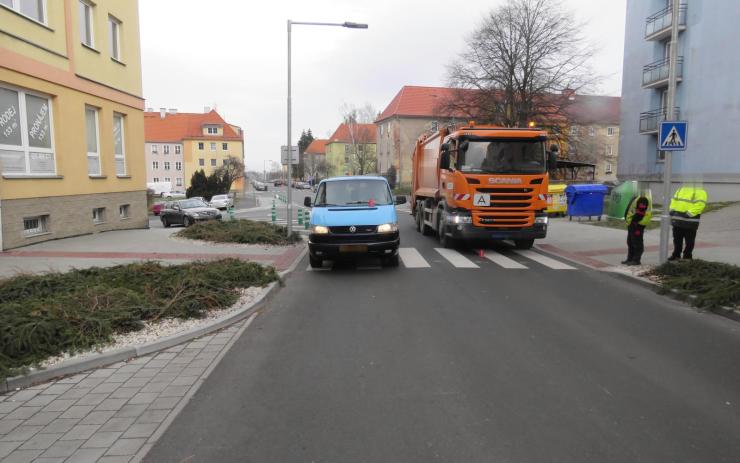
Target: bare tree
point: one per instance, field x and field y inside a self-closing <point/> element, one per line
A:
<point x="316" y="166"/>
<point x="231" y="170"/>
<point x="522" y="64"/>
<point x="361" y="155"/>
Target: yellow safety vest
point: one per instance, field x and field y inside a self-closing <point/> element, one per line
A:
<point x="633" y="207"/>
<point x="689" y="200"/>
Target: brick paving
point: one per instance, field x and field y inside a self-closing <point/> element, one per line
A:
<point x="109" y="414"/>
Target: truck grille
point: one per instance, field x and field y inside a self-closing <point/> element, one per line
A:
<point x="510" y="208"/>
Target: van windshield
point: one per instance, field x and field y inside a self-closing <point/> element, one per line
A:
<point x="501" y="157"/>
<point x="353" y="192"/>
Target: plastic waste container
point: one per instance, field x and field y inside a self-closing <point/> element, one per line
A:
<point x="557" y="202"/>
<point x="586" y="200"/>
<point x="620" y="199"/>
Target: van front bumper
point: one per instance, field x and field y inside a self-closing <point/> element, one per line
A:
<point x="327" y="246"/>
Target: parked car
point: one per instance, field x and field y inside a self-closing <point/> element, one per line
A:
<point x="157" y="208"/>
<point x="221" y="201"/>
<point x="187" y="212"/>
<point x="199" y="198"/>
<point x="170" y="195"/>
<point x="278" y="182"/>
<point x="353" y="216"/>
<point x="303" y="186"/>
<point x="259" y="186"/>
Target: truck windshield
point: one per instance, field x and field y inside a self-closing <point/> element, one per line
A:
<point x="353" y="192"/>
<point x="501" y="157"/>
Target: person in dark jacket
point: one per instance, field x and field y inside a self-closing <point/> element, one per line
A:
<point x="637" y="216"/>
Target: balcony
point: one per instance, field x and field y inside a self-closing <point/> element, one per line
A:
<point x="658" y="26"/>
<point x="650" y="120"/>
<point x="655" y="75"/>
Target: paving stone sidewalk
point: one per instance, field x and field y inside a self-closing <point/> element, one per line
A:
<point x="112" y="414"/>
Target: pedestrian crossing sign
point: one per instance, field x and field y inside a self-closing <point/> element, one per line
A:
<point x="672" y="136"/>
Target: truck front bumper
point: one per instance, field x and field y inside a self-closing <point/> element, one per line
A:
<point x="471" y="232"/>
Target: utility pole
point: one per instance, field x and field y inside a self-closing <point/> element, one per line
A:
<point x="671" y="115"/>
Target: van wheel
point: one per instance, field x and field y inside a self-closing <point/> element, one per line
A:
<point x="315" y="262"/>
<point x="524" y="244"/>
<point x="390" y="261"/>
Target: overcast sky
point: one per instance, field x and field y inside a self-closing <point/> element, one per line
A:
<point x="232" y="55"/>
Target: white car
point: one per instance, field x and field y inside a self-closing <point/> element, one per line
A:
<point x="221" y="201"/>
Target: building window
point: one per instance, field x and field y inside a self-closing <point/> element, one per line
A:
<point x="155" y="164"/>
<point x="34" y="9"/>
<point x="86" y="24"/>
<point x="200" y="146"/>
<point x="212" y="130"/>
<point x="166" y="165"/>
<point x="26" y="136"/>
<point x="609" y="150"/>
<point x="610" y="131"/>
<point x="119" y="148"/>
<point x="660" y="156"/>
<point x="591" y="131"/>
<point x="213" y="147"/>
<point x="98" y="215"/>
<point x="225" y="161"/>
<point x="35" y="225"/>
<point x="346" y="149"/>
<point x="124" y="211"/>
<point x="178" y="165"/>
<point x="179" y="181"/>
<point x="574" y="130"/>
<point x="224" y="146"/>
<point x="154" y="149"/>
<point x="608" y="168"/>
<point x="155" y="179"/>
<point x="93" y="146"/>
<point x="168" y="180"/>
<point x="201" y="162"/>
<point x="166" y="149"/>
<point x="213" y="162"/>
<point x="114" y="32"/>
<point x="177" y="149"/>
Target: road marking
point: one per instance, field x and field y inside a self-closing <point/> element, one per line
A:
<point x="502" y="260"/>
<point x="455" y="258"/>
<point x="412" y="259"/>
<point x="544" y="260"/>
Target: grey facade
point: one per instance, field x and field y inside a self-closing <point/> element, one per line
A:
<point x="708" y="94"/>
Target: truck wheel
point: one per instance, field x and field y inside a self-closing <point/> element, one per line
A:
<point x="315" y="262"/>
<point x="444" y="240"/>
<point x="524" y="244"/>
<point x="391" y="261"/>
<point x="426" y="230"/>
<point x="419" y="216"/>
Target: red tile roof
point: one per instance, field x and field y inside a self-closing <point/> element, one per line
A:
<point x="317" y="146"/>
<point x="412" y="101"/>
<point x="367" y="134"/>
<point x="180" y="126"/>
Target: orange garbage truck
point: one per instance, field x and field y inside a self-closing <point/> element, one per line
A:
<point x="482" y="183"/>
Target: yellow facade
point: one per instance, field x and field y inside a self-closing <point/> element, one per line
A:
<point x="48" y="60"/>
<point x="196" y="158"/>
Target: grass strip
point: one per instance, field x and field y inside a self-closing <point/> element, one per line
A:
<point x="239" y="231"/>
<point x="42" y="316"/>
<point x="714" y="284"/>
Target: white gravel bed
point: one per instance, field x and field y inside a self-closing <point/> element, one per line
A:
<point x="160" y="329"/>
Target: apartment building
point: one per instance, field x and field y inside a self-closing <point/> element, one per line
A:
<point x="71" y="119"/>
<point x="351" y="150"/>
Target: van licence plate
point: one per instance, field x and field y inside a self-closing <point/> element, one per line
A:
<point x="352" y="248"/>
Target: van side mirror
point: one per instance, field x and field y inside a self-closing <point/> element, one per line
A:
<point x="400" y="200"/>
<point x="307" y="201"/>
<point x="444" y="160"/>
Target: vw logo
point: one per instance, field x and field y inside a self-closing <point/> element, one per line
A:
<point x="352" y="229"/>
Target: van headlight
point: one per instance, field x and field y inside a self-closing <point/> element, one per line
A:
<point x="320" y="229"/>
<point x="388" y="228"/>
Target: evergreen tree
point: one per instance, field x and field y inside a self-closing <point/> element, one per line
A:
<point x="303" y="142"/>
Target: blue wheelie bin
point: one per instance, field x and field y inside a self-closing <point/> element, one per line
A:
<point x="585" y="200"/>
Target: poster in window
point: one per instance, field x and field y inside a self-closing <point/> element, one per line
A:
<point x="118" y="135"/>
<point x="37" y="117"/>
<point x="12" y="162"/>
<point x="41" y="163"/>
<point x="10" y="121"/>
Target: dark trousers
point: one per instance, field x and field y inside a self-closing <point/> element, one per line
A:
<point x="635" y="243"/>
<point x="679" y="236"/>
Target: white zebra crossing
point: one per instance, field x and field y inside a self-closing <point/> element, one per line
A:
<point x="455" y="258"/>
<point x="502" y="260"/>
<point x="411" y="258"/>
<point x="544" y="260"/>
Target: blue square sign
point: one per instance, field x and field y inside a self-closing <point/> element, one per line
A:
<point x="672" y="136"/>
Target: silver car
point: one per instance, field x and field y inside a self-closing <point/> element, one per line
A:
<point x="221" y="201"/>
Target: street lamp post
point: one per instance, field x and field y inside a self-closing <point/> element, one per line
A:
<point x="349" y="25"/>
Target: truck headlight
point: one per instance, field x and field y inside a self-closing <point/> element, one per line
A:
<point x="388" y="228"/>
<point x="541" y="219"/>
<point x="458" y="219"/>
<point x="320" y="229"/>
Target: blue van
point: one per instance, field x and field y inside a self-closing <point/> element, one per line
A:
<point x="353" y="216"/>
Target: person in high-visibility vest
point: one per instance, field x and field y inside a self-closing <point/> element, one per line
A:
<point x="687" y="205"/>
<point x="637" y="216"/>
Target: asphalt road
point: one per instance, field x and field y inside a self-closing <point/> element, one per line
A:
<point x="449" y="364"/>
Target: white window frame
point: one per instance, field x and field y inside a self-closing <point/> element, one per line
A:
<point x="212" y="130"/>
<point x="214" y="162"/>
<point x="155" y="149"/>
<point x="90" y="23"/>
<point x="98" y="215"/>
<point x="122" y="156"/>
<point x="124" y="211"/>
<point x="574" y="130"/>
<point x="611" y="131"/>
<point x="114" y="25"/>
<point x="591" y="131"/>
<point x="168" y="180"/>
<point x="201" y="146"/>
<point x="179" y="181"/>
<point x="202" y="162"/>
<point x="178" y="149"/>
<point x="609" y="167"/>
<point x="224" y="146"/>
<point x="609" y="150"/>
<point x="155" y="164"/>
<point x="178" y="165"/>
<point x="155" y="179"/>
<point x="97" y="141"/>
<point x="167" y="165"/>
<point x="166" y="149"/>
<point x="25" y="146"/>
<point x="15" y="5"/>
<point x="213" y="146"/>
<point x="41" y="229"/>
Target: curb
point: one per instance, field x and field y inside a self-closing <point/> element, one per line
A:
<point x="79" y="365"/>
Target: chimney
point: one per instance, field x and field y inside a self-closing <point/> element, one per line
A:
<point x="207" y="109"/>
<point x="150" y="110"/>
<point x="162" y="113"/>
<point x="172" y="111"/>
